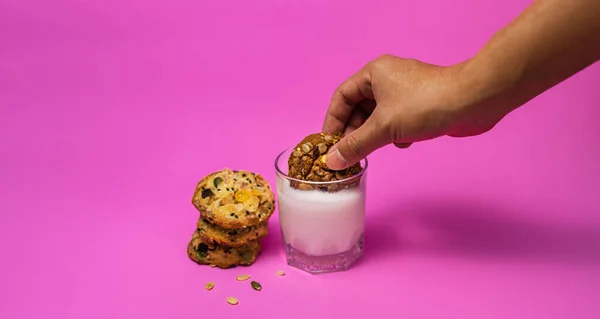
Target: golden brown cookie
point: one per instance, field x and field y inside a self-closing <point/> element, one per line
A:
<point x="234" y="199"/>
<point x="231" y="237"/>
<point x="308" y="163"/>
<point x="220" y="256"/>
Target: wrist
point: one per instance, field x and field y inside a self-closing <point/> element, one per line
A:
<point x="489" y="83"/>
<point x="482" y="94"/>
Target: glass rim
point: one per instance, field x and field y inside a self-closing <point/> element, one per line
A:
<point x="355" y="176"/>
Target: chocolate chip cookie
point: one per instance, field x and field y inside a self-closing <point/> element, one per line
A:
<point x="231" y="237"/>
<point x="206" y="253"/>
<point x="234" y="199"/>
<point x="308" y="163"/>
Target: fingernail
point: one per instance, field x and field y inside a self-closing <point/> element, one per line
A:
<point x="335" y="160"/>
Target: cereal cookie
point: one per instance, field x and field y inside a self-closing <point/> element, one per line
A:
<point x="308" y="163"/>
<point x="224" y="257"/>
<point x="231" y="237"/>
<point x="234" y="199"/>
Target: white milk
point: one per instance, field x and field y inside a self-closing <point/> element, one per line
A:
<point x="320" y="223"/>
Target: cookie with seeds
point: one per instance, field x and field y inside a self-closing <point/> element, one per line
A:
<point x="308" y="163"/>
<point x="234" y="199"/>
<point x="231" y="237"/>
<point x="207" y="253"/>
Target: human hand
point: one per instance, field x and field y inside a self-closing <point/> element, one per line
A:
<point x="401" y="101"/>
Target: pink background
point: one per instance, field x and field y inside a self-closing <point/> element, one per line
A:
<point x="111" y="111"/>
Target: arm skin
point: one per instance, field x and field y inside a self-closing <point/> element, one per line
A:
<point x="548" y="43"/>
<point x="401" y="101"/>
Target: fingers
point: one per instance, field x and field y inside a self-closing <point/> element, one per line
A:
<point x="361" y="112"/>
<point x="356" y="146"/>
<point x="356" y="120"/>
<point x="344" y="100"/>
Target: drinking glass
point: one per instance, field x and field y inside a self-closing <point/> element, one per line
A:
<point x="322" y="223"/>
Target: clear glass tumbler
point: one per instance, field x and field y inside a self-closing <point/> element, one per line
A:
<point x="322" y="223"/>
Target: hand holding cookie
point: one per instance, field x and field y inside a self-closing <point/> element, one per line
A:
<point x="400" y="101"/>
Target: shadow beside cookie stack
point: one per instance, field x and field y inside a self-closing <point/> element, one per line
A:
<point x="235" y="207"/>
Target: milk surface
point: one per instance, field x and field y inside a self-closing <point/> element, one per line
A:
<point x="320" y="223"/>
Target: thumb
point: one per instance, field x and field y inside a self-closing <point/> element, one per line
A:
<point x="356" y="146"/>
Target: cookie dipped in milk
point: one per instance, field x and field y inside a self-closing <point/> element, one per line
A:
<point x="321" y="211"/>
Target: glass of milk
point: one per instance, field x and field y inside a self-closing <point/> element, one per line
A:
<point x="322" y="231"/>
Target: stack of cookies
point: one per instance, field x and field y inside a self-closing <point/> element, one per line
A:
<point x="235" y="207"/>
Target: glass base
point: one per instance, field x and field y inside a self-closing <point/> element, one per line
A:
<point x="324" y="264"/>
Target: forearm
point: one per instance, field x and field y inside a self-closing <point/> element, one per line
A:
<point x="549" y="42"/>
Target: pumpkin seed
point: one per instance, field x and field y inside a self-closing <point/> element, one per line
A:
<point x="217" y="181"/>
<point x="256" y="286"/>
<point x="209" y="285"/>
<point x="232" y="301"/>
<point x="242" y="277"/>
